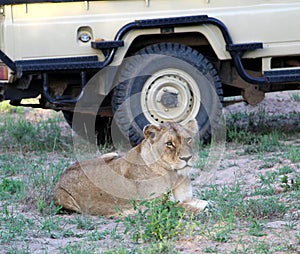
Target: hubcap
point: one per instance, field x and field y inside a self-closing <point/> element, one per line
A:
<point x="170" y="95"/>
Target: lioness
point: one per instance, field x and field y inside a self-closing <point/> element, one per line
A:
<point x="161" y="162"/>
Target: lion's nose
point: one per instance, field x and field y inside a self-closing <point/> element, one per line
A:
<point x="186" y="159"/>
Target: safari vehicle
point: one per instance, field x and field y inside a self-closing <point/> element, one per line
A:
<point x="51" y="49"/>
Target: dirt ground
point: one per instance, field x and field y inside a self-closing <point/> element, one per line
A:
<point x="233" y="166"/>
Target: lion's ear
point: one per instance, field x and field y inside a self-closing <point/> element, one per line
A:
<point x="192" y="125"/>
<point x="150" y="131"/>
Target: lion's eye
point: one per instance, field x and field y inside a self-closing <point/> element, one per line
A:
<point x="170" y="144"/>
<point x="188" y="140"/>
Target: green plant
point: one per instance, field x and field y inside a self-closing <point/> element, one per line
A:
<point x="211" y="250"/>
<point x="40" y="176"/>
<point x="202" y="157"/>
<point x="222" y="236"/>
<point x="293" y="154"/>
<point x="164" y="247"/>
<point x="41" y="205"/>
<point x="258" y="140"/>
<point x="296" y="183"/>
<point x="11" y="187"/>
<point x="161" y="247"/>
<point x="120" y="250"/>
<point x="295" y="96"/>
<point x="44" y="135"/>
<point x="269" y="142"/>
<point x="79" y="248"/>
<point x="262" y="247"/>
<point x="256" y="229"/>
<point x="298" y="238"/>
<point x="264" y="208"/>
<point x="85" y="222"/>
<point x="285" y="170"/>
<point x="96" y="235"/>
<point x="228" y="200"/>
<point x="267" y="184"/>
<point x="157" y="219"/>
<point x="293" y="184"/>
<point x="14" y="226"/>
<point x="11" y="164"/>
<point x="5" y="107"/>
<point x="16" y="250"/>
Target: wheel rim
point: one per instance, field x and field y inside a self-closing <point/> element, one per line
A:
<point x="170" y="95"/>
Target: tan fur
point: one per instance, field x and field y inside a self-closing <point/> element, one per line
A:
<point x="161" y="162"/>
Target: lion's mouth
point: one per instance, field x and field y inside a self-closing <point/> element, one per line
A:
<point x="187" y="166"/>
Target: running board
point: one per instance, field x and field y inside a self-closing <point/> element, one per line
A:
<point x="282" y="76"/>
<point x="244" y="47"/>
<point x="62" y="64"/>
<point x="107" y="44"/>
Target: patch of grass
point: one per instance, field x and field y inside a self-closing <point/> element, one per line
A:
<point x="290" y="184"/>
<point x="227" y="198"/>
<point x="11" y="186"/>
<point x="11" y="164"/>
<point x="158" y="219"/>
<point x="35" y="182"/>
<point x="41" y="177"/>
<point x="222" y="235"/>
<point x="232" y="205"/>
<point x="211" y="250"/>
<point x="85" y="222"/>
<point x="256" y="127"/>
<point x="55" y="227"/>
<point x="5" y="107"/>
<point x="270" y="181"/>
<point x="18" y="250"/>
<point x="295" y="96"/>
<point x="14" y="226"/>
<point x="269" y="143"/>
<point x="285" y="170"/>
<point x="97" y="235"/>
<point x="164" y="247"/>
<point x="293" y="154"/>
<point x="264" y="208"/>
<point x="255" y="122"/>
<point x="256" y="229"/>
<point x="267" y="184"/>
<point x="261" y="247"/>
<point x="120" y="250"/>
<point x="45" y="135"/>
<point x="79" y="248"/>
<point x="237" y="135"/>
<point x="256" y="142"/>
<point x="263" y="143"/>
<point x="268" y="162"/>
<point x="203" y="156"/>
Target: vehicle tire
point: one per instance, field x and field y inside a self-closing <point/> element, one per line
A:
<point x="166" y="82"/>
<point x="95" y="131"/>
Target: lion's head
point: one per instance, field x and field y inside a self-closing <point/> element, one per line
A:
<point x="170" y="144"/>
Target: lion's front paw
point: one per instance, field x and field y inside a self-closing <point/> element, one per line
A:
<point x="109" y="156"/>
<point x="195" y="205"/>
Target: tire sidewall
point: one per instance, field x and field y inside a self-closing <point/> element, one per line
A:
<point x="138" y="69"/>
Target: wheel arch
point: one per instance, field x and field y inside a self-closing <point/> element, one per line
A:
<point x="204" y="35"/>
